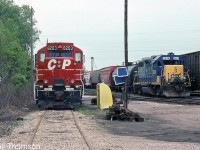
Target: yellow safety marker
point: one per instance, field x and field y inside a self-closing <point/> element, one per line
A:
<point x="104" y="96"/>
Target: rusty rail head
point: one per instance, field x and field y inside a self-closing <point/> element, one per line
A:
<point x="31" y="138"/>
<point x="81" y="131"/>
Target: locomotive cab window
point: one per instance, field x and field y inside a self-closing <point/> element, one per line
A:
<point x="170" y="62"/>
<point x="77" y="57"/>
<point x="42" y="56"/>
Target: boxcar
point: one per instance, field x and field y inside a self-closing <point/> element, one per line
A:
<point x="193" y="64"/>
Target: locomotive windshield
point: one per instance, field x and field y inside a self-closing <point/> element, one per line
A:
<point x="60" y="54"/>
<point x="170" y="62"/>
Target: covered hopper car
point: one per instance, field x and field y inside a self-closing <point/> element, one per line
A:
<point x="106" y="76"/>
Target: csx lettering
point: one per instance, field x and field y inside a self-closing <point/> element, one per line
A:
<point x="53" y="63"/>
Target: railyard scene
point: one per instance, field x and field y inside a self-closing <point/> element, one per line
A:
<point x="99" y="75"/>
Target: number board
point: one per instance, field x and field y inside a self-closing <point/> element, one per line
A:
<point x="166" y="58"/>
<point x="176" y="58"/>
<point x="70" y="48"/>
<point x="51" y="48"/>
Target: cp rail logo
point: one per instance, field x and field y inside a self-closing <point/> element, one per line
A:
<point x="53" y="63"/>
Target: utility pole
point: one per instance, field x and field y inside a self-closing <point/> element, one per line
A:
<point x="32" y="75"/>
<point x="126" y="50"/>
<point x="92" y="63"/>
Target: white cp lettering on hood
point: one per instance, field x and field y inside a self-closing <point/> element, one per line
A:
<point x="53" y="62"/>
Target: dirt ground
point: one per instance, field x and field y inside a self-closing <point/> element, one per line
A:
<point x="166" y="127"/>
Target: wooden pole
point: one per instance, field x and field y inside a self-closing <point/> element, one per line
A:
<point x="31" y="44"/>
<point x="126" y="50"/>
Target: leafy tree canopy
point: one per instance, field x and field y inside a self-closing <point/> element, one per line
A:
<point x="15" y="41"/>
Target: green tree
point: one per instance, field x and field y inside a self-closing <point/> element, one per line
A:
<point x="15" y="41"/>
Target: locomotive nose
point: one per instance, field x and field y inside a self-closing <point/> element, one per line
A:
<point x="178" y="88"/>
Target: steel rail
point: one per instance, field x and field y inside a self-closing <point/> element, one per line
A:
<point x="81" y="131"/>
<point x="32" y="137"/>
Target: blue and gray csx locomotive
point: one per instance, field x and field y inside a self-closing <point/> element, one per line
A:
<point x="162" y="75"/>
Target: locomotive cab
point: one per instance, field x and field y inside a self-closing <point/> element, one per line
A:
<point x="59" y="75"/>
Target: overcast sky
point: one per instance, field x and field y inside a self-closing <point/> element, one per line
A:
<point x="97" y="27"/>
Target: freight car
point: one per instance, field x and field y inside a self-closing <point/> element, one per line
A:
<point x="91" y="78"/>
<point x="106" y="76"/>
<point x="95" y="78"/>
<point x="193" y="64"/>
<point x="162" y="75"/>
<point x="87" y="79"/>
<point x="58" y="75"/>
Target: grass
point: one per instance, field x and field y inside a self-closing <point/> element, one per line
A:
<point x="84" y="111"/>
<point x="99" y="127"/>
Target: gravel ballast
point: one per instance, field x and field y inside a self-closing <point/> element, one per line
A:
<point x="166" y="126"/>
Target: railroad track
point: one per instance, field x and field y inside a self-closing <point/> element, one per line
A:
<point x="42" y="117"/>
<point x="33" y="135"/>
<point x="192" y="100"/>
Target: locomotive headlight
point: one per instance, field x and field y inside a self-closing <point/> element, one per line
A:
<point x="72" y="81"/>
<point x="59" y="62"/>
<point x="45" y="81"/>
<point x="59" y="65"/>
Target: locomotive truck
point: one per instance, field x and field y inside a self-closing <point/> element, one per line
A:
<point x="59" y="75"/>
